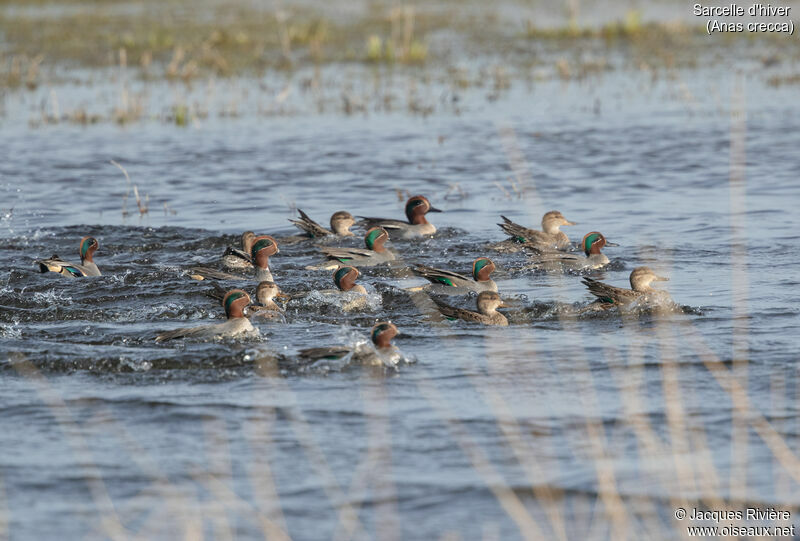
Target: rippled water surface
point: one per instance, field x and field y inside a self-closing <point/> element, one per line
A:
<point x="537" y="428"/>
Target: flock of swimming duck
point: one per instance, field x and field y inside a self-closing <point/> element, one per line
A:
<point x="548" y="249"/>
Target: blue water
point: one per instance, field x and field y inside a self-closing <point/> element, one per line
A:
<point x="553" y="427"/>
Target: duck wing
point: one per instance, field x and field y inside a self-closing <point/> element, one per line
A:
<point x="609" y="294"/>
<point x="332" y="353"/>
<point x="309" y="226"/>
<point x="55" y="264"/>
<point x="214" y="274"/>
<point x="386" y="223"/>
<point x="439" y="276"/>
<point x="520" y="233"/>
<point x="345" y="254"/>
<point x="451" y="312"/>
<point x="203" y="330"/>
<point x="235" y="252"/>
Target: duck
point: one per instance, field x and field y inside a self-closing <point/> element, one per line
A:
<point x="640" y="279"/>
<point x="450" y="283"/>
<point x="592" y="243"/>
<point x="87" y="267"/>
<point x="348" y="295"/>
<point x="487" y="302"/>
<point x="375" y="254"/>
<point x="234" y="258"/>
<point x="341" y="222"/>
<point x="416" y="226"/>
<point x="550" y="237"/>
<point x="263" y="247"/>
<point x="345" y="279"/>
<point x="381" y="352"/>
<point x="266" y="292"/>
<point x="236" y="326"/>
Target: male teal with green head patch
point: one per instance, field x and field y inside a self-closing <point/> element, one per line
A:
<point x="263" y="247"/>
<point x="482" y="268"/>
<point x="382" y="334"/>
<point x="87" y="267"/>
<point x="593" y="242"/>
<point x="234" y="303"/>
<point x="375" y="238"/>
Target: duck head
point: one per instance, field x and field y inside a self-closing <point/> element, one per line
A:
<point x="345" y="278"/>
<point x="235" y="302"/>
<point x="341" y="222"/>
<point x="482" y="268"/>
<point x="382" y="334"/>
<point x="642" y="277"/>
<point x="266" y="291"/>
<point x="375" y="238"/>
<point x="552" y="220"/>
<point x="247" y="241"/>
<point x="416" y="209"/>
<point x="593" y="242"/>
<point x="263" y="247"/>
<point x="489" y="301"/>
<point x="88" y="247"/>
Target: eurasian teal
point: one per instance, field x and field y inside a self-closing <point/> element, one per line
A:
<point x="263" y="247"/>
<point x="640" y="279"/>
<point x="348" y="295"/>
<point x="237" y="325"/>
<point x="488" y="302"/>
<point x="345" y="280"/>
<point x="450" y="283"/>
<point x="266" y="308"/>
<point x="233" y="258"/>
<point x="416" y="209"/>
<point x="550" y="237"/>
<point x="592" y="243"/>
<point x="381" y="353"/>
<point x="87" y="267"/>
<point x="266" y="292"/>
<point x="341" y="222"/>
<point x="375" y="254"/>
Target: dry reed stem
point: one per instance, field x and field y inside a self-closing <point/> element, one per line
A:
<point x="109" y="520"/>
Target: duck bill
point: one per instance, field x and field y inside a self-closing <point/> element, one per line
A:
<point x="505" y="304"/>
<point x="282" y="295"/>
<point x="661" y="279"/>
<point x="567" y="222"/>
<point x="434" y="209"/>
<point x="612" y="244"/>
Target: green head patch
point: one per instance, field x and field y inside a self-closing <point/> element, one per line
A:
<point x="373" y="236"/>
<point x="230" y="298"/>
<point x="376" y="332"/>
<point x="479" y="264"/>
<point x="339" y="275"/>
<point x="260" y="245"/>
<point x="590" y="239"/>
<point x="86" y="243"/>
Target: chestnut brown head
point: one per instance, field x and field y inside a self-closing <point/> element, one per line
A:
<point x="345" y="278"/>
<point x="235" y="302"/>
<point x="382" y="334"/>
<point x="375" y="238"/>
<point x="482" y="268"/>
<point x="88" y="247"/>
<point x="263" y="247"/>
<point x="416" y="209"/>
